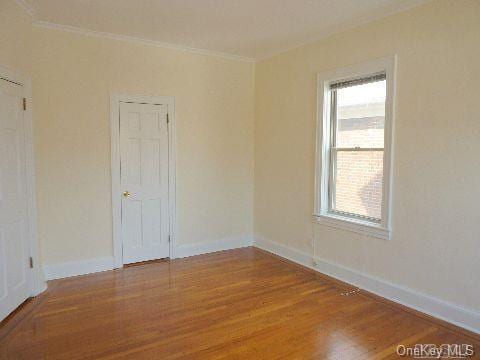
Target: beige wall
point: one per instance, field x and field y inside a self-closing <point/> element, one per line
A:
<point x="436" y="209"/>
<point x="15" y="37"/>
<point x="72" y="77"/>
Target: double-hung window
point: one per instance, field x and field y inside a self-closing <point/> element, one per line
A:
<point x="354" y="138"/>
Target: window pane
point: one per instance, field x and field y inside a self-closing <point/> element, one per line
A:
<point x="361" y="115"/>
<point x="358" y="177"/>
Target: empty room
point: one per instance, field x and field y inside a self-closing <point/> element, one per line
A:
<point x="239" y="179"/>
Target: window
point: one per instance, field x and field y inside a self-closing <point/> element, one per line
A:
<point x="354" y="147"/>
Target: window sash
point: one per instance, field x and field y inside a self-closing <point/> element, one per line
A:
<point x="333" y="150"/>
<point x="333" y="126"/>
<point x="332" y="190"/>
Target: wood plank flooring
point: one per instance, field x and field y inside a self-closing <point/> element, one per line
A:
<point x="237" y="304"/>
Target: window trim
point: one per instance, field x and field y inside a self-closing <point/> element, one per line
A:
<point x="321" y="213"/>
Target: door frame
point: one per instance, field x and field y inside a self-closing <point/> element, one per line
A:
<point x="115" y="100"/>
<point x="37" y="281"/>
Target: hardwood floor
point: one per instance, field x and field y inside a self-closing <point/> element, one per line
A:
<point x="237" y="304"/>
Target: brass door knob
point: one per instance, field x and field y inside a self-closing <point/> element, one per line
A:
<point x="126" y="194"/>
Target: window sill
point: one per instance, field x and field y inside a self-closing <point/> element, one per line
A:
<point x="354" y="225"/>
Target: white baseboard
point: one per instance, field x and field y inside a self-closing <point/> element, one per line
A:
<point x="457" y="315"/>
<point x="236" y="242"/>
<point x="63" y="270"/>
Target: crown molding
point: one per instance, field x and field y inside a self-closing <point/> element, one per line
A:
<point x="111" y="36"/>
<point x="27" y="7"/>
<point x="349" y="25"/>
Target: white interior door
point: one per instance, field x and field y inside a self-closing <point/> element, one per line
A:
<point x="14" y="249"/>
<point x="144" y="181"/>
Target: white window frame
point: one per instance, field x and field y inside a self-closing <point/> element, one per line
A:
<point x="322" y="215"/>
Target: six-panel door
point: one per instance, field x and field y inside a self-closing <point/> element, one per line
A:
<point x="14" y="250"/>
<point x="144" y="181"/>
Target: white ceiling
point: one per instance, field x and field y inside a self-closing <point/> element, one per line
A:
<point x="249" y="28"/>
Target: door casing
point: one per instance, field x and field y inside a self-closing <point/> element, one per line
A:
<point x="115" y="101"/>
<point x="37" y="279"/>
